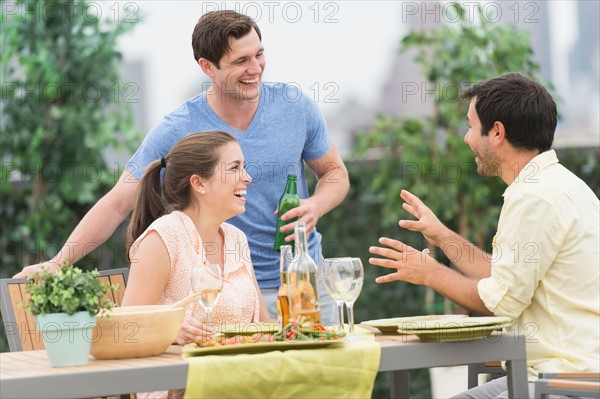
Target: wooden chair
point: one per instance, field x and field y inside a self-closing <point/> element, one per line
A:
<point x="569" y="384"/>
<point x="19" y="325"/>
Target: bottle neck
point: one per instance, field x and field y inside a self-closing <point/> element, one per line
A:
<point x="290" y="186"/>
<point x="301" y="239"/>
<point x="286" y="256"/>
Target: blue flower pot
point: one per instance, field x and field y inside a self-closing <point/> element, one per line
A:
<point x="67" y="339"/>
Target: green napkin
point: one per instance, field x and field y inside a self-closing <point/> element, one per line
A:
<point x="347" y="370"/>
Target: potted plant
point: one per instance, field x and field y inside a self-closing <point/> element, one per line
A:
<point x="65" y="304"/>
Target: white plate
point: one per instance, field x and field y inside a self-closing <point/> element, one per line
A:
<point x="195" y="350"/>
<point x="391" y="326"/>
<point x="447" y="323"/>
<point x="454" y="334"/>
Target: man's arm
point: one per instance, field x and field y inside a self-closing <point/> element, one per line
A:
<point x="95" y="227"/>
<point x="470" y="260"/>
<point x="332" y="186"/>
<point x="416" y="267"/>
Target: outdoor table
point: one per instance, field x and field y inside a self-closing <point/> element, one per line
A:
<point x="28" y="374"/>
<point x="401" y="353"/>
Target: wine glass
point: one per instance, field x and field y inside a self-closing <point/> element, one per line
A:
<point x="329" y="278"/>
<point x="208" y="281"/>
<point x="350" y="275"/>
<point x="355" y="288"/>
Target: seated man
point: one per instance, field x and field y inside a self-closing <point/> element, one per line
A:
<point x="543" y="271"/>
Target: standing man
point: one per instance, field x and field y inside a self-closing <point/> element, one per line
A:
<point x="543" y="271"/>
<point x="278" y="129"/>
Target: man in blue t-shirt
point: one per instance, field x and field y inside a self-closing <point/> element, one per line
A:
<point x="278" y="129"/>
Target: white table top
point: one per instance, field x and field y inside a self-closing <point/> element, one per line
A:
<point x="29" y="375"/>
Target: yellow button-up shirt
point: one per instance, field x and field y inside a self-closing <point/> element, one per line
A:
<point x="545" y="265"/>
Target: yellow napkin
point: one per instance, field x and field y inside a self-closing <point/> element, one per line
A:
<point x="341" y="371"/>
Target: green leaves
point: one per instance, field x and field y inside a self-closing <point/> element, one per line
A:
<point x="63" y="107"/>
<point x="68" y="291"/>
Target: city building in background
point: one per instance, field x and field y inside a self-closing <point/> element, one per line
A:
<point x="344" y="54"/>
<point x="569" y="59"/>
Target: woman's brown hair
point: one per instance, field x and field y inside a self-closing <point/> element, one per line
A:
<point x="195" y="154"/>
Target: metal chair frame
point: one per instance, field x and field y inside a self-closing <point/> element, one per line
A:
<point x="569" y="384"/>
<point x="482" y="368"/>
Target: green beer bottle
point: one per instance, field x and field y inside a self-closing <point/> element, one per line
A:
<point x="289" y="200"/>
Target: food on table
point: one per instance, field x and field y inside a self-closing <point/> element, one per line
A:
<point x="303" y="329"/>
<point x="299" y="330"/>
<point x="220" y="340"/>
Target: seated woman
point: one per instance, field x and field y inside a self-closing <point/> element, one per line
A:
<point x="178" y="222"/>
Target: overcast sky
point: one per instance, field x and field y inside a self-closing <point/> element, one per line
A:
<point x="331" y="50"/>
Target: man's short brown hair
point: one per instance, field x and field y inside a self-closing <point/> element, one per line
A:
<point x="210" y="39"/>
<point x="524" y="107"/>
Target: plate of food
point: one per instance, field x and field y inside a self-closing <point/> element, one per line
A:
<point x="236" y="346"/>
<point x="391" y="325"/>
<point x="234" y="329"/>
<point x="454" y="334"/>
<point x="450" y="323"/>
<point x="302" y="335"/>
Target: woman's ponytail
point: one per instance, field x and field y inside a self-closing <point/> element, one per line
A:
<point x="149" y="204"/>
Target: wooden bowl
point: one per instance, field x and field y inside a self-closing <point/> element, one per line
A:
<point x="136" y="331"/>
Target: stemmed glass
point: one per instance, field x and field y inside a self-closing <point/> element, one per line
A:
<point x="207" y="280"/>
<point x="354" y="275"/>
<point x="345" y="278"/>
<point x="329" y="266"/>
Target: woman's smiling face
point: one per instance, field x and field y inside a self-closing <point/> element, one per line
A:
<point x="225" y="189"/>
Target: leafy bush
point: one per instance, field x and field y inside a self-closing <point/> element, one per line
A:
<point x="68" y="291"/>
<point x="63" y="106"/>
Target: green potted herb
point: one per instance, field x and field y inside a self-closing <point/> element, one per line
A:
<point x="65" y="304"/>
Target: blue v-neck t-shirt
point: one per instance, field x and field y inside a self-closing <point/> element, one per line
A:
<point x="286" y="129"/>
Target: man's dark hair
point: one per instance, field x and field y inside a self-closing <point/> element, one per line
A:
<point x="522" y="105"/>
<point x="211" y="35"/>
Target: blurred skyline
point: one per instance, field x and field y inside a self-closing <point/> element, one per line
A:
<point x="344" y="55"/>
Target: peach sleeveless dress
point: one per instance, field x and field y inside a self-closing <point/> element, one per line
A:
<point x="238" y="302"/>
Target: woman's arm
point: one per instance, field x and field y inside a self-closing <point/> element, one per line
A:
<point x="149" y="271"/>
<point x="148" y="277"/>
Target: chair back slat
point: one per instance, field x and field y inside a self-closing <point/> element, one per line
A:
<point x="20" y="326"/>
<point x="589" y="385"/>
<point x="544" y="388"/>
<point x="31" y="336"/>
<point x="591" y="376"/>
<point x="105" y="280"/>
<point x="19" y="319"/>
<point x="118" y="279"/>
<point x="22" y="329"/>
